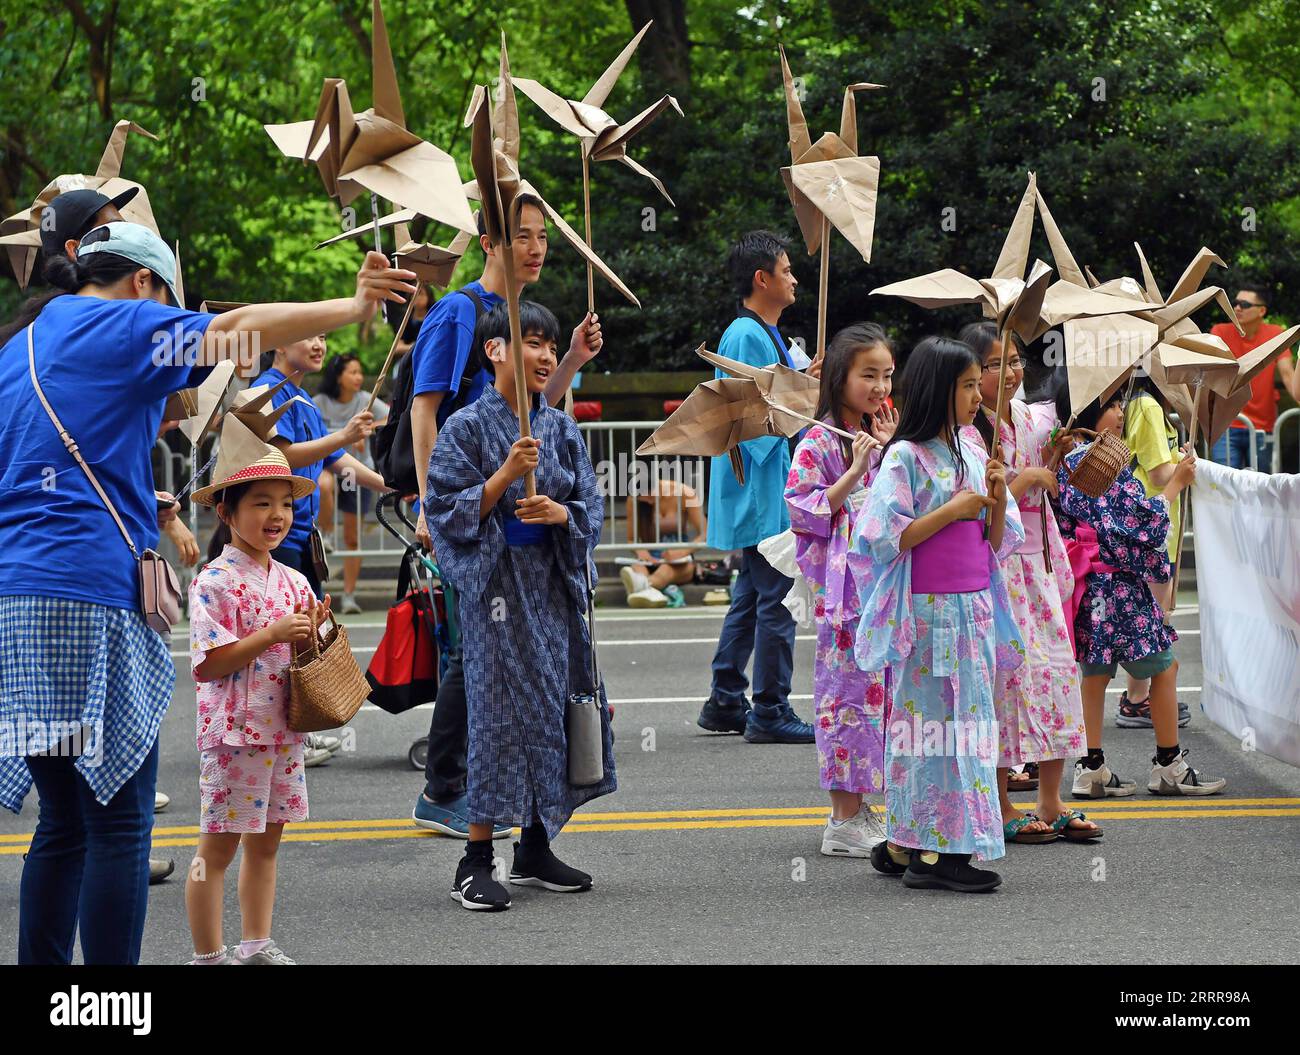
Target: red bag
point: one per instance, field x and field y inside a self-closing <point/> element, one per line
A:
<point x="404" y="669"/>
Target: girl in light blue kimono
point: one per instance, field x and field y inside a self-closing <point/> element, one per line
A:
<point x="519" y="566"/>
<point x="935" y="610"/>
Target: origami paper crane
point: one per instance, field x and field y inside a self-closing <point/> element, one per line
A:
<point x="21" y="232"/>
<point x="1014" y="302"/>
<point x="722" y="413"/>
<point x="791" y="390"/>
<point x="374" y="149"/>
<point x="829" y="184"/>
<point x="601" y="137"/>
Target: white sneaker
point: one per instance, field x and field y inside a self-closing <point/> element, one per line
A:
<point x="633" y="580"/>
<point x="349" y="605"/>
<point x="325" y="741"/>
<point x="269" y="955"/>
<point x="1100" y="783"/>
<point x="319" y="749"/>
<point x="1178" y="778"/>
<point x="851" y="838"/>
<point x="160" y="801"/>
<point x="647" y="598"/>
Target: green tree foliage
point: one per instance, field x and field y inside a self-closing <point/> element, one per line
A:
<point x="1171" y="122"/>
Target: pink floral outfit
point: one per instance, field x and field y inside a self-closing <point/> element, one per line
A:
<point x="251" y="763"/>
<point x="849" y="702"/>
<point x="1039" y="708"/>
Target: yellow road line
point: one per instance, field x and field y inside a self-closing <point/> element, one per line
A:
<point x="377" y="830"/>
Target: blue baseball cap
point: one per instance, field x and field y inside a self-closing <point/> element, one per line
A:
<point x="138" y="244"/>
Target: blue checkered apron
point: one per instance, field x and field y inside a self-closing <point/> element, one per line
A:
<point x="76" y="663"/>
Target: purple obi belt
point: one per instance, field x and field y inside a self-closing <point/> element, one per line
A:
<point x="953" y="560"/>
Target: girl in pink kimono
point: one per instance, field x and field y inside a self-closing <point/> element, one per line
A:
<point x="1039" y="706"/>
<point x="825" y="490"/>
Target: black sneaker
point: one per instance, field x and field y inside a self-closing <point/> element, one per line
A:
<point x="885" y="860"/>
<point x="475" y="888"/>
<point x="719" y="719"/>
<point x="538" y="866"/>
<point x="786" y="729"/>
<point x="935" y="871"/>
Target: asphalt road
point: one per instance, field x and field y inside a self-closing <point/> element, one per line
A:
<point x="709" y="850"/>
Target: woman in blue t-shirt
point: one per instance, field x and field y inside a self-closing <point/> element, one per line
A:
<point x="84" y="681"/>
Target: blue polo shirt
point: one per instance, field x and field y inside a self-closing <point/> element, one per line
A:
<point x="301" y="422"/>
<point x="742" y="515"/>
<point x="442" y="349"/>
<point x="106" y="366"/>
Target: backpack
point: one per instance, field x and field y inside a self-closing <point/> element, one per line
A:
<point x="394" y="448"/>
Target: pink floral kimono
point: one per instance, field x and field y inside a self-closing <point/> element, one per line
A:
<point x="849" y="703"/>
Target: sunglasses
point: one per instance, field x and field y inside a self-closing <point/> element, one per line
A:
<point x="1244" y="304"/>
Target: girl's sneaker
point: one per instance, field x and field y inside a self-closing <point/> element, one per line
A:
<point x="270" y="955"/>
<point x="854" y="837"/>
<point x="1178" y="778"/>
<point x="475" y="888"/>
<point x="1100" y="783"/>
<point x="349" y="605"/>
<point x="538" y="866"/>
<point x="936" y="871"/>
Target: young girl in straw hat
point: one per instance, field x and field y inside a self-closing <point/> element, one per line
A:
<point x="245" y="611"/>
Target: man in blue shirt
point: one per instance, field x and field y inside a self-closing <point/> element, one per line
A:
<point x="444" y="380"/>
<point x="742" y="515"/>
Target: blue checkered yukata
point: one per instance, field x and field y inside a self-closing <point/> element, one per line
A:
<point x="521" y="609"/>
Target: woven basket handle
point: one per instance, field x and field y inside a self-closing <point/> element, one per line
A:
<point x="312" y="649"/>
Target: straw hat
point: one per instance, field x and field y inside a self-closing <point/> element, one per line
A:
<point x="244" y="457"/>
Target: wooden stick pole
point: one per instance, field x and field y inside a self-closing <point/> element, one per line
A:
<point x="814" y="421"/>
<point x="383" y="374"/>
<point x="586" y="213"/>
<point x="1002" y="396"/>
<point x="517" y="354"/>
<point x="1183" y="504"/>
<point x="374" y="215"/>
<point x="823" y="288"/>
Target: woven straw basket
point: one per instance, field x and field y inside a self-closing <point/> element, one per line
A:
<point x="326" y="687"/>
<point x="1100" y="467"/>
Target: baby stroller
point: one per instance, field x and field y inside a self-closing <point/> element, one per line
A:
<point x="421" y="583"/>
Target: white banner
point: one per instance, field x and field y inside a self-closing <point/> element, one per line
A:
<point x="1247" y="530"/>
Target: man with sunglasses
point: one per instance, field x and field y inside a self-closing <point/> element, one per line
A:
<point x="1233" y="448"/>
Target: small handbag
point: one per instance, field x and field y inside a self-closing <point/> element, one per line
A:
<point x="316" y="549"/>
<point x="159" y="590"/>
<point x="582" y="718"/>
<point x="326" y="687"/>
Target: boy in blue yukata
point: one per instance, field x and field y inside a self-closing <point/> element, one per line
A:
<point x="520" y="566"/>
<point x="743" y="515"/>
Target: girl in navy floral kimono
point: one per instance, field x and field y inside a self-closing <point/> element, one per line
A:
<point x="519" y="566"/>
<point x="1116" y="545"/>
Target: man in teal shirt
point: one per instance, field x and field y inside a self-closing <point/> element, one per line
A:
<point x="742" y="515"/>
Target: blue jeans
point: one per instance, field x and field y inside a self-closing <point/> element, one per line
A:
<point x="757" y="623"/>
<point x="88" y="867"/>
<point x="1233" y="448"/>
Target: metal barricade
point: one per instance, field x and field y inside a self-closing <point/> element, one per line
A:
<point x="676" y="487"/>
<point x="1288" y="415"/>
